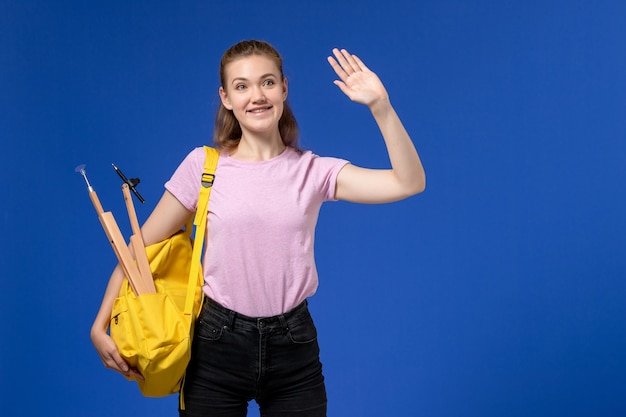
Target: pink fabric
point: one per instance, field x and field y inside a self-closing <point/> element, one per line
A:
<point x="261" y="226"/>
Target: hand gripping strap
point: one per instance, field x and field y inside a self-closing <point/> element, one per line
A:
<point x="210" y="164"/>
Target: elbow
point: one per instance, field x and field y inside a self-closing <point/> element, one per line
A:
<point x="417" y="186"/>
<point x="421" y="183"/>
<point x="413" y="188"/>
<point x="418" y="189"/>
<point x="421" y="188"/>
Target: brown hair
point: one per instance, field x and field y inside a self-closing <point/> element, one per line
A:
<point x="227" y="131"/>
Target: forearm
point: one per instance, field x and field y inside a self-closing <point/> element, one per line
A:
<point x="405" y="162"/>
<point x="102" y="342"/>
<point x="101" y="322"/>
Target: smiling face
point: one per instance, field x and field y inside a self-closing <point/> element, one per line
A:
<point x="255" y="91"/>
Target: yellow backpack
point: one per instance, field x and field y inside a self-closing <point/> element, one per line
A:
<point x="153" y="332"/>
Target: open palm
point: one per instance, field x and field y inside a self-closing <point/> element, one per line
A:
<point x="357" y="81"/>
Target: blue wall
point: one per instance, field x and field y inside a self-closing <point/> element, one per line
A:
<point x="498" y="292"/>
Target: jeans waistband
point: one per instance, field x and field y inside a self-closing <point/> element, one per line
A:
<point x="232" y="316"/>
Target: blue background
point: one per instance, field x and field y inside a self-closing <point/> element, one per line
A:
<point x="499" y="291"/>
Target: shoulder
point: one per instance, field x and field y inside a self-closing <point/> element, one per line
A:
<point x="194" y="160"/>
<point x="309" y="157"/>
<point x="191" y="166"/>
<point x="325" y="164"/>
<point x="197" y="153"/>
<point x="320" y="171"/>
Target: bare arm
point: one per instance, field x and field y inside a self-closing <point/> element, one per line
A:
<point x="363" y="185"/>
<point x="167" y="217"/>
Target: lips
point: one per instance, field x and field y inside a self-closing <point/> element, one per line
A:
<point x="258" y="110"/>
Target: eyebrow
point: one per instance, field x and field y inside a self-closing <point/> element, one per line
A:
<point x="269" y="74"/>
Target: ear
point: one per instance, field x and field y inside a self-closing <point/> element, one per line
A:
<point x="285" y="89"/>
<point x="225" y="100"/>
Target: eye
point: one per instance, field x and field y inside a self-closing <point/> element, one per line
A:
<point x="268" y="83"/>
<point x="240" y="87"/>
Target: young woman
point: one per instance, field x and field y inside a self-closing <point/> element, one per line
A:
<point x="254" y="338"/>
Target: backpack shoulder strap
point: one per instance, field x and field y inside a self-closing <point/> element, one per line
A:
<point x="208" y="177"/>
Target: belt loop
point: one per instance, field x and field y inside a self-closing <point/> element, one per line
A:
<point x="283" y="321"/>
<point x="231" y="318"/>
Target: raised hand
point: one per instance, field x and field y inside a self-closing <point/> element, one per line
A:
<point x="358" y="82"/>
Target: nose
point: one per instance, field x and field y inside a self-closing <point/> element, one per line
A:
<point x="258" y="96"/>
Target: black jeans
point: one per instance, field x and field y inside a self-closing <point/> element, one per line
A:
<point x="273" y="360"/>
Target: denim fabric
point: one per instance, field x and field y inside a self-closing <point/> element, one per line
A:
<point x="236" y="358"/>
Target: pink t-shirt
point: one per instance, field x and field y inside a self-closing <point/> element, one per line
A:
<point x="261" y="226"/>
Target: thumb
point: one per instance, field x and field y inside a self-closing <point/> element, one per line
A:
<point x="344" y="88"/>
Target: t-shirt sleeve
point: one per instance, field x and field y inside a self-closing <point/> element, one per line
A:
<point x="327" y="169"/>
<point x="185" y="182"/>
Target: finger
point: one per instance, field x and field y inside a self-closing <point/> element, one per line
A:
<point x="350" y="60"/>
<point x="116" y="362"/>
<point x="338" y="69"/>
<point x="344" y="88"/>
<point x="342" y="57"/>
<point x="360" y="63"/>
<point x="133" y="373"/>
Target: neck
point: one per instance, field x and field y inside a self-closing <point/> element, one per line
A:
<point x="258" y="149"/>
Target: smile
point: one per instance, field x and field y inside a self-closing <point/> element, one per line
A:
<point x="259" y="110"/>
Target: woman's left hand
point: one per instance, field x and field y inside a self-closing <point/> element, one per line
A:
<point x="406" y="176"/>
<point x="358" y="82"/>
